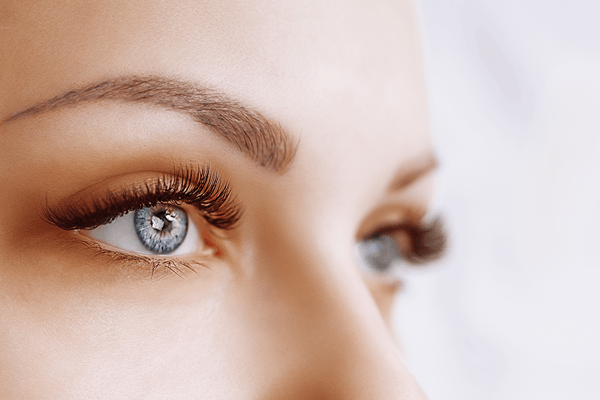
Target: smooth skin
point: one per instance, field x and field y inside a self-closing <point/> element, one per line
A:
<point x="280" y="311"/>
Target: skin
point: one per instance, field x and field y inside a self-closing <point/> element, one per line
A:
<point x="280" y="309"/>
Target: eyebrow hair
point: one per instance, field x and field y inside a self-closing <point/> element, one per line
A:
<point x="414" y="171"/>
<point x="260" y="138"/>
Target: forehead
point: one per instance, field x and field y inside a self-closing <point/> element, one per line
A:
<point x="343" y="76"/>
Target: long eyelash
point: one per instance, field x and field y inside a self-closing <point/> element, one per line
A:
<point x="428" y="241"/>
<point x="199" y="187"/>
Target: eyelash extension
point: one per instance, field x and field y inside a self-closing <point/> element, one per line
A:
<point x="200" y="187"/>
<point x="427" y="241"/>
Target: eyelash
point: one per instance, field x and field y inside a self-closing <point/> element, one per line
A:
<point x="199" y="187"/>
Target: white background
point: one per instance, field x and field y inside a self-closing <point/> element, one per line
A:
<point x="512" y="312"/>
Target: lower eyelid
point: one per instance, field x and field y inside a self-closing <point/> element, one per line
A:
<point x="144" y="265"/>
<point x="194" y="253"/>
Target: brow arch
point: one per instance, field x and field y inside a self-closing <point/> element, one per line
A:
<point x="260" y="138"/>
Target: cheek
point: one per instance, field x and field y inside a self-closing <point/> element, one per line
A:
<point x="123" y="339"/>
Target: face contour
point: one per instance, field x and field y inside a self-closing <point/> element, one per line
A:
<point x="119" y="281"/>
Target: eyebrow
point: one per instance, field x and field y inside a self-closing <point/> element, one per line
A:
<point x="260" y="138"/>
<point x="414" y="171"/>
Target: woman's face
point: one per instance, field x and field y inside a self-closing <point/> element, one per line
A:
<point x="187" y="192"/>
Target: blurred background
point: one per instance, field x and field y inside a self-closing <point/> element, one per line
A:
<point x="512" y="312"/>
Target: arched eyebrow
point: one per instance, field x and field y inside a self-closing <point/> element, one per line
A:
<point x="260" y="138"/>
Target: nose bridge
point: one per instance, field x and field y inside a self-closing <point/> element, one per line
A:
<point x="336" y="337"/>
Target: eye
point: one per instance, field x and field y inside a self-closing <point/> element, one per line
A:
<point x="379" y="256"/>
<point x="387" y="253"/>
<point x="162" y="229"/>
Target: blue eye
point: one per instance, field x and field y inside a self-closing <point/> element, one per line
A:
<point x="163" y="229"/>
<point x="378" y="256"/>
<point x="389" y="254"/>
<point x="378" y="253"/>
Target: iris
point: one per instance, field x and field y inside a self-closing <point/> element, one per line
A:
<point x="377" y="255"/>
<point x="161" y="228"/>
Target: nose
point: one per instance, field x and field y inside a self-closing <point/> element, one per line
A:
<point x="331" y="341"/>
